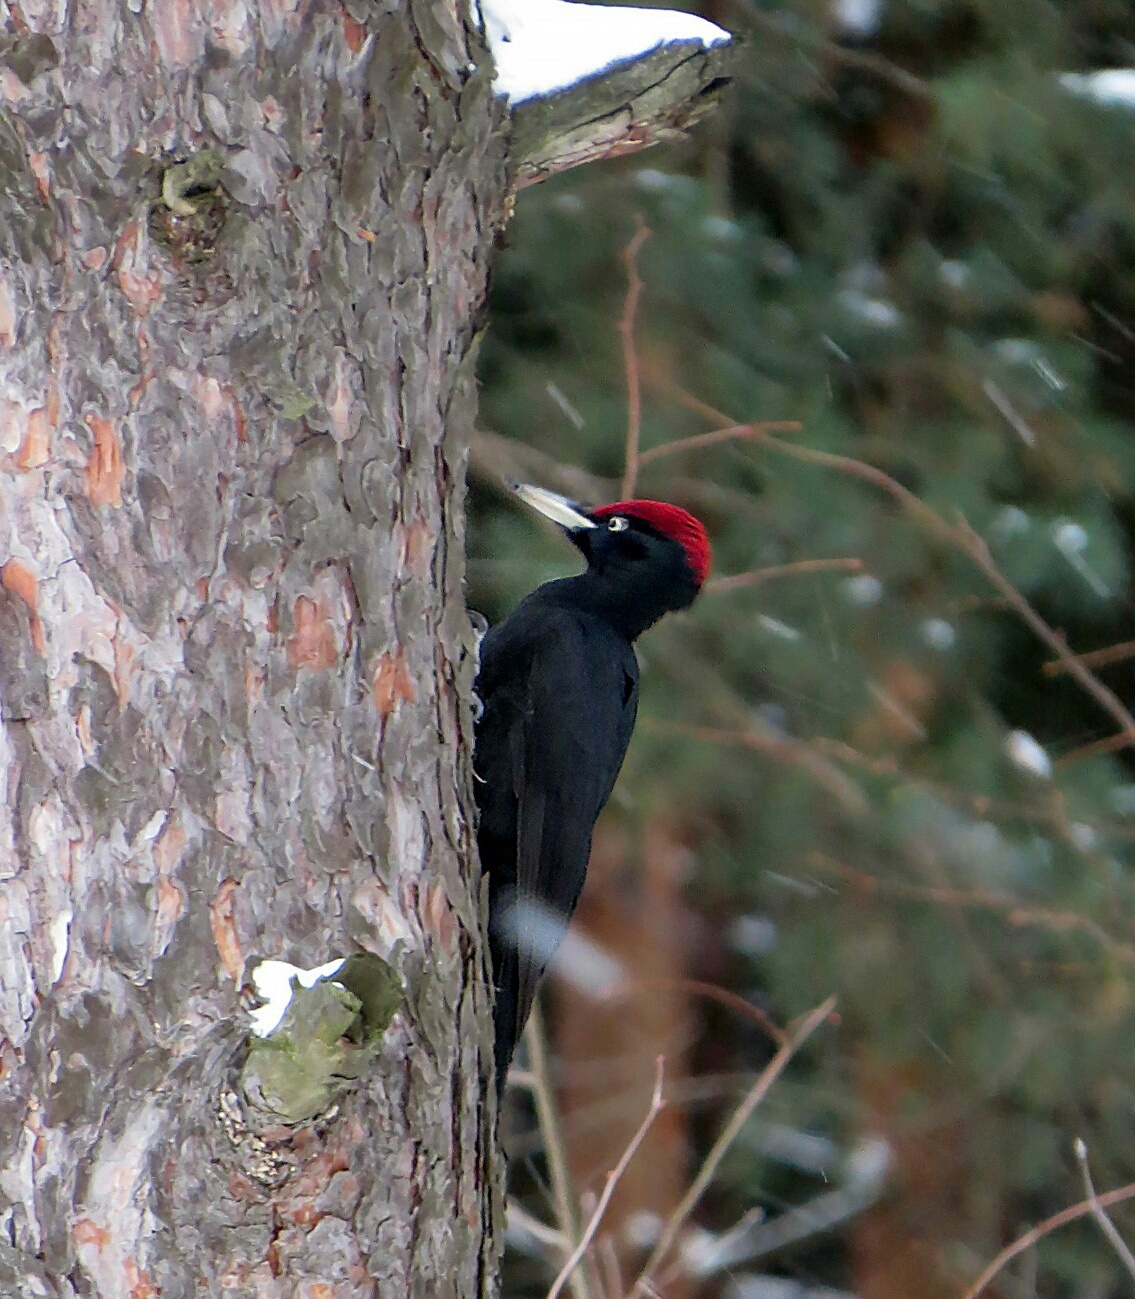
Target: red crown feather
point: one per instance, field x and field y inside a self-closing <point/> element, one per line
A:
<point x="671" y="521"/>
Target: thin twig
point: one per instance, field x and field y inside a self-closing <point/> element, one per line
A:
<point x="784" y="748"/>
<point x="734" y="1001"/>
<point x="613" y="1177"/>
<point x="519" y="1217"/>
<point x="820" y="51"/>
<point x="630" y="354"/>
<point x="818" y="756"/>
<point x="1094" y="749"/>
<point x="974" y="545"/>
<point x="729" y="1134"/>
<point x="755" y="576"/>
<point x="734" y="433"/>
<point x="548" y="1119"/>
<point x="610" y="1272"/>
<point x="1045" y="1228"/>
<point x="961" y="536"/>
<point x="1109" y="1229"/>
<point x="1100" y="658"/>
<point x="1016" y="914"/>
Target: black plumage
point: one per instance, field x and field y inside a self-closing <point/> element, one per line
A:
<point x="558" y="683"/>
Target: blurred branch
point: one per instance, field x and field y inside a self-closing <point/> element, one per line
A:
<point x="865" y="1173"/>
<point x="547" y="1116"/>
<point x="725" y="1140"/>
<point x="1094" y="658"/>
<point x="1051" y="814"/>
<point x="959" y="535"/>
<point x="504" y="460"/>
<point x="792" y="752"/>
<point x="1016" y="915"/>
<point x="656" y="1105"/>
<point x="699" y="441"/>
<point x="1045" y="1228"/>
<point x="1106" y="1225"/>
<point x="1108" y="744"/>
<point x="734" y="1001"/>
<point x="975" y="546"/>
<point x="816" y="758"/>
<point x="885" y="69"/>
<point x="629" y="258"/>
<point x="519" y="1219"/>
<point x="755" y="576"/>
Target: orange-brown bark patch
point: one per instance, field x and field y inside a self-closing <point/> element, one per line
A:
<point x="15" y="576"/>
<point x="87" y="1232"/>
<point x="34" y="448"/>
<point x="354" y="33"/>
<point x="123" y="669"/>
<point x="141" y="1287"/>
<point x="313" y="643"/>
<point x="83" y="730"/>
<point x="140" y="286"/>
<point x="224" y="930"/>
<point x="38" y="163"/>
<point x="417" y="546"/>
<point x="240" y="424"/>
<point x="167" y="849"/>
<point x="171" y="903"/>
<point x="105" y="470"/>
<point x="392" y="683"/>
<point x="438" y="917"/>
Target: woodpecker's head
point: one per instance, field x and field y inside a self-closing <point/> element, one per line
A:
<point x="633" y="543"/>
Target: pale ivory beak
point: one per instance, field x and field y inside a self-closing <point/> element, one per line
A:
<point x="553" y="506"/>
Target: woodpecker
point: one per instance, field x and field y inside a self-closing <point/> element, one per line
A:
<point x="558" y="685"/>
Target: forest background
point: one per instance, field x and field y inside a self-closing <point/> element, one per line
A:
<point x="865" y="763"/>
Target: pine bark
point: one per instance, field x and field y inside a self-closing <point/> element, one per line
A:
<point x="245" y="248"/>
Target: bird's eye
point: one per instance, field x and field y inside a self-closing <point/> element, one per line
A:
<point x="618" y="524"/>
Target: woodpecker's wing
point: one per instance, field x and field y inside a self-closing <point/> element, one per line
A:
<point x="583" y="693"/>
<point x="572" y="713"/>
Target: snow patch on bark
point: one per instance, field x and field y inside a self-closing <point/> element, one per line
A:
<point x="273" y="981"/>
<point x="60" y="942"/>
<point x="17" y="985"/>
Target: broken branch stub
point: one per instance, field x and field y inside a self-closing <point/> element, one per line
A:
<point x="652" y="99"/>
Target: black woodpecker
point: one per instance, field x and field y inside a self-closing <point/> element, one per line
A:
<point x="558" y="684"/>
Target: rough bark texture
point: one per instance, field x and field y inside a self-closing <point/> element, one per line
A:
<point x="234" y="654"/>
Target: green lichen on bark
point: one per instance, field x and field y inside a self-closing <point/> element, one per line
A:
<point x="324" y="1040"/>
<point x="188" y="218"/>
<point x="299" y="1070"/>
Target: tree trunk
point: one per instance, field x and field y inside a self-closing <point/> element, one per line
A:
<point x="245" y="246"/>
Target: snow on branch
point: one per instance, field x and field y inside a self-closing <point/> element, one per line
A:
<point x="541" y="46"/>
<point x="593" y="81"/>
